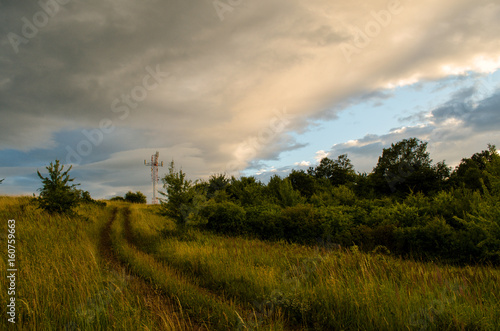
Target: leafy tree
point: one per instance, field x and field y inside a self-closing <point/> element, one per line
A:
<point x="282" y="191"/>
<point x="136" y="197"/>
<point x="362" y="186"/>
<point x="183" y="201"/>
<point x="470" y="173"/>
<point x="405" y="167"/>
<point x="217" y="185"/>
<point x="246" y="190"/>
<point x="338" y="172"/>
<point x="57" y="194"/>
<point x="304" y="182"/>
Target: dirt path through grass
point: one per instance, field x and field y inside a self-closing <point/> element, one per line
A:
<point x="165" y="311"/>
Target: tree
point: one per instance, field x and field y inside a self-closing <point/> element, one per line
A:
<point x="246" y="190"/>
<point x="217" y="185"/>
<point x="493" y="172"/>
<point x="338" y="172"/>
<point x="136" y="197"/>
<point x="303" y="182"/>
<point x="283" y="193"/>
<point x="57" y="194"/>
<point x="471" y="172"/>
<point x="182" y="200"/>
<point x="405" y="167"/>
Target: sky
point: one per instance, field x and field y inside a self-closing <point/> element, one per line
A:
<point x="252" y="88"/>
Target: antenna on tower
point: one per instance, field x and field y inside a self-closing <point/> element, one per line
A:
<point x="154" y="172"/>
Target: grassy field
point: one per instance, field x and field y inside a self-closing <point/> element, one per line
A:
<point x="125" y="267"/>
<point x="66" y="280"/>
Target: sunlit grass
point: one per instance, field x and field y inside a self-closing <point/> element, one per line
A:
<point x="322" y="288"/>
<point x="214" y="312"/>
<point x="62" y="280"/>
<point x="218" y="282"/>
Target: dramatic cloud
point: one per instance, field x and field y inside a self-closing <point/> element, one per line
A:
<point x="104" y="84"/>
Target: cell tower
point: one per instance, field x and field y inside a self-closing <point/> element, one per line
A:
<point x="154" y="172"/>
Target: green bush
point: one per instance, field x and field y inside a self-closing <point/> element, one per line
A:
<point x="301" y="224"/>
<point x="136" y="197"/>
<point x="225" y="217"/>
<point x="264" y="221"/>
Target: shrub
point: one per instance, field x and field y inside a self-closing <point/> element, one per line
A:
<point x="301" y="224"/>
<point x="85" y="197"/>
<point x="225" y="217"/>
<point x="343" y="195"/>
<point x="263" y="220"/>
<point x="136" y="197"/>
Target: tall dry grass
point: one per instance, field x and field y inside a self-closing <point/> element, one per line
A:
<point x="317" y="287"/>
<point x="63" y="281"/>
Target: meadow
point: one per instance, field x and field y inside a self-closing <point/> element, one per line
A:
<point x="124" y="266"/>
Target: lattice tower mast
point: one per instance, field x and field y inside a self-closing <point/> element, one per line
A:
<point x="155" y="163"/>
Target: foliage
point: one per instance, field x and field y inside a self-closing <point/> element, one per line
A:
<point x="326" y="287"/>
<point x="303" y="182"/>
<point x="472" y="172"/>
<point x="246" y="191"/>
<point x="283" y="193"/>
<point x="217" y="184"/>
<point x="183" y="199"/>
<point x="136" y="197"/>
<point x="338" y="172"/>
<point x="492" y="173"/>
<point x="425" y="217"/>
<point x="57" y="194"/>
<point x="405" y="167"/>
<point x="225" y="217"/>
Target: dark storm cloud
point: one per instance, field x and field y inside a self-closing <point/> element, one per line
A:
<point x="218" y="82"/>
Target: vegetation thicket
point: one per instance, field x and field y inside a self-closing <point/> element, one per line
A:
<point x="408" y="205"/>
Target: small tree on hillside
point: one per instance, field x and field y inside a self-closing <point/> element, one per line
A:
<point x="57" y="194"/>
<point x="182" y="201"/>
<point x="136" y="197"/>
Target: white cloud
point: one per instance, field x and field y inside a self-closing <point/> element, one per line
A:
<point x="321" y="154"/>
<point x="303" y="163"/>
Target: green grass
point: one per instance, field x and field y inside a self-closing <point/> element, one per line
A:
<point x="213" y="312"/>
<point x="318" y="288"/>
<point x="186" y="280"/>
<point x="63" y="281"/>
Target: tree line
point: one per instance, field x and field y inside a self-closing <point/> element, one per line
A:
<point x="407" y="206"/>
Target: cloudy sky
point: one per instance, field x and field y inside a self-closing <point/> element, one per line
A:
<point x="239" y="86"/>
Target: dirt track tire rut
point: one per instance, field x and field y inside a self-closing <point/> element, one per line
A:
<point x="159" y="305"/>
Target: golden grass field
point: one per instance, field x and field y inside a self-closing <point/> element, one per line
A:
<point x="125" y="267"/>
